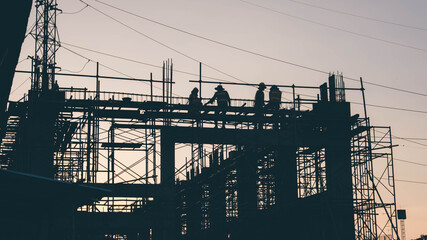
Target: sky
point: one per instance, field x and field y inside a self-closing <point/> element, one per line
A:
<point x="383" y="41"/>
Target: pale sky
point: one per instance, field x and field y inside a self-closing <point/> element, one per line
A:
<point x="291" y="31"/>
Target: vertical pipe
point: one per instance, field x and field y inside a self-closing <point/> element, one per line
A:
<point x="89" y="120"/>
<point x="293" y="94"/>
<point x="200" y="80"/>
<point x="146" y="156"/>
<point x="186" y="168"/>
<point x="151" y="86"/>
<point x="98" y="87"/>
<point x="154" y="157"/>
<point x="163" y="83"/>
<point x="112" y="151"/>
<point x="171" y="77"/>
<point x="363" y="96"/>
<point x="108" y="156"/>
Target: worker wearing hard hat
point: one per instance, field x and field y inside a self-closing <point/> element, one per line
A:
<point x="223" y="101"/>
<point x="259" y="105"/>
<point x="194" y="102"/>
<point x="194" y="105"/>
<point x="275" y="97"/>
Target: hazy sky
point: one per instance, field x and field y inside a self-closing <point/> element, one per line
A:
<point x="288" y="30"/>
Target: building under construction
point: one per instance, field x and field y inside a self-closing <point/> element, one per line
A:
<point x="83" y="164"/>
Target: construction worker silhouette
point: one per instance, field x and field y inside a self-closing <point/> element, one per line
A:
<point x="223" y="101"/>
<point x="194" y="102"/>
<point x="275" y="97"/>
<point x="259" y="105"/>
<point x="194" y="105"/>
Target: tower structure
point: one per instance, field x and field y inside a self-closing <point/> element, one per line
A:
<point x="45" y="34"/>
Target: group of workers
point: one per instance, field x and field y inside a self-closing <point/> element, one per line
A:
<point x="223" y="101"/>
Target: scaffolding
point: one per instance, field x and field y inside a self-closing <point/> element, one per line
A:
<point x="313" y="173"/>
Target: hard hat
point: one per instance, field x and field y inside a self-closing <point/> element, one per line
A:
<point x="261" y="85"/>
<point x="219" y="87"/>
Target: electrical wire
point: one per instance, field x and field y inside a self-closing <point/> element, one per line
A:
<point x="392" y="108"/>
<point x="337" y="28"/>
<point x="135" y="61"/>
<point x="71" y="13"/>
<point x="406" y="161"/>
<point x="411" y="141"/>
<point x="110" y="68"/>
<point x="22" y="60"/>
<point x="409" y="181"/>
<point x="79" y="71"/>
<point x="371" y="105"/>
<point x="163" y="44"/>
<point x="241" y="49"/>
<point x="138" y="62"/>
<point x="359" y="16"/>
<point x="420" y="139"/>
<point x="20" y="85"/>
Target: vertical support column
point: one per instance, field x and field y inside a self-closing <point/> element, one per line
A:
<point x="286" y="177"/>
<point x="247" y="195"/>
<point x="217" y="200"/>
<point x="88" y="144"/>
<point x="286" y="216"/>
<point x="112" y="155"/>
<point x="200" y="80"/>
<point x="338" y="171"/>
<point x="194" y="216"/>
<point x="168" y="229"/>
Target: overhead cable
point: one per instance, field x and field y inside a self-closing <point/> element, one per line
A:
<point x="137" y="61"/>
<point x="242" y="50"/>
<point x="360" y="16"/>
<point x="337" y="28"/>
<point x="163" y="44"/>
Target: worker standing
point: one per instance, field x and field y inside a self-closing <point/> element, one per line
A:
<point x="275" y="97"/>
<point x="194" y="105"/>
<point x="194" y="102"/>
<point x="223" y="101"/>
<point x="259" y="105"/>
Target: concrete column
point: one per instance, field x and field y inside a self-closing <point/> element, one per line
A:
<point x="338" y="172"/>
<point x="217" y="211"/>
<point x="247" y="195"/>
<point x="167" y="178"/>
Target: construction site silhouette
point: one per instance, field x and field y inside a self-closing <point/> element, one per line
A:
<point x="295" y="169"/>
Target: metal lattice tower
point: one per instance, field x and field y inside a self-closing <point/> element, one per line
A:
<point x="45" y="34"/>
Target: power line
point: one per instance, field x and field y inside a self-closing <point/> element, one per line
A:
<point x="78" y="11"/>
<point x="112" y="69"/>
<point x="136" y="61"/>
<point x="20" y="85"/>
<point x="392" y="108"/>
<point x="337" y="28"/>
<point x="78" y="71"/>
<point x="409" y="140"/>
<point x="409" y="181"/>
<point x="247" y="51"/>
<point x="163" y="44"/>
<point x="372" y="105"/>
<point x="406" y="161"/>
<point x="405" y="139"/>
<point x="359" y="16"/>
<point x="422" y="139"/>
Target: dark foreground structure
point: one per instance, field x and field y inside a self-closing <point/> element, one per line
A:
<point x="80" y="164"/>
